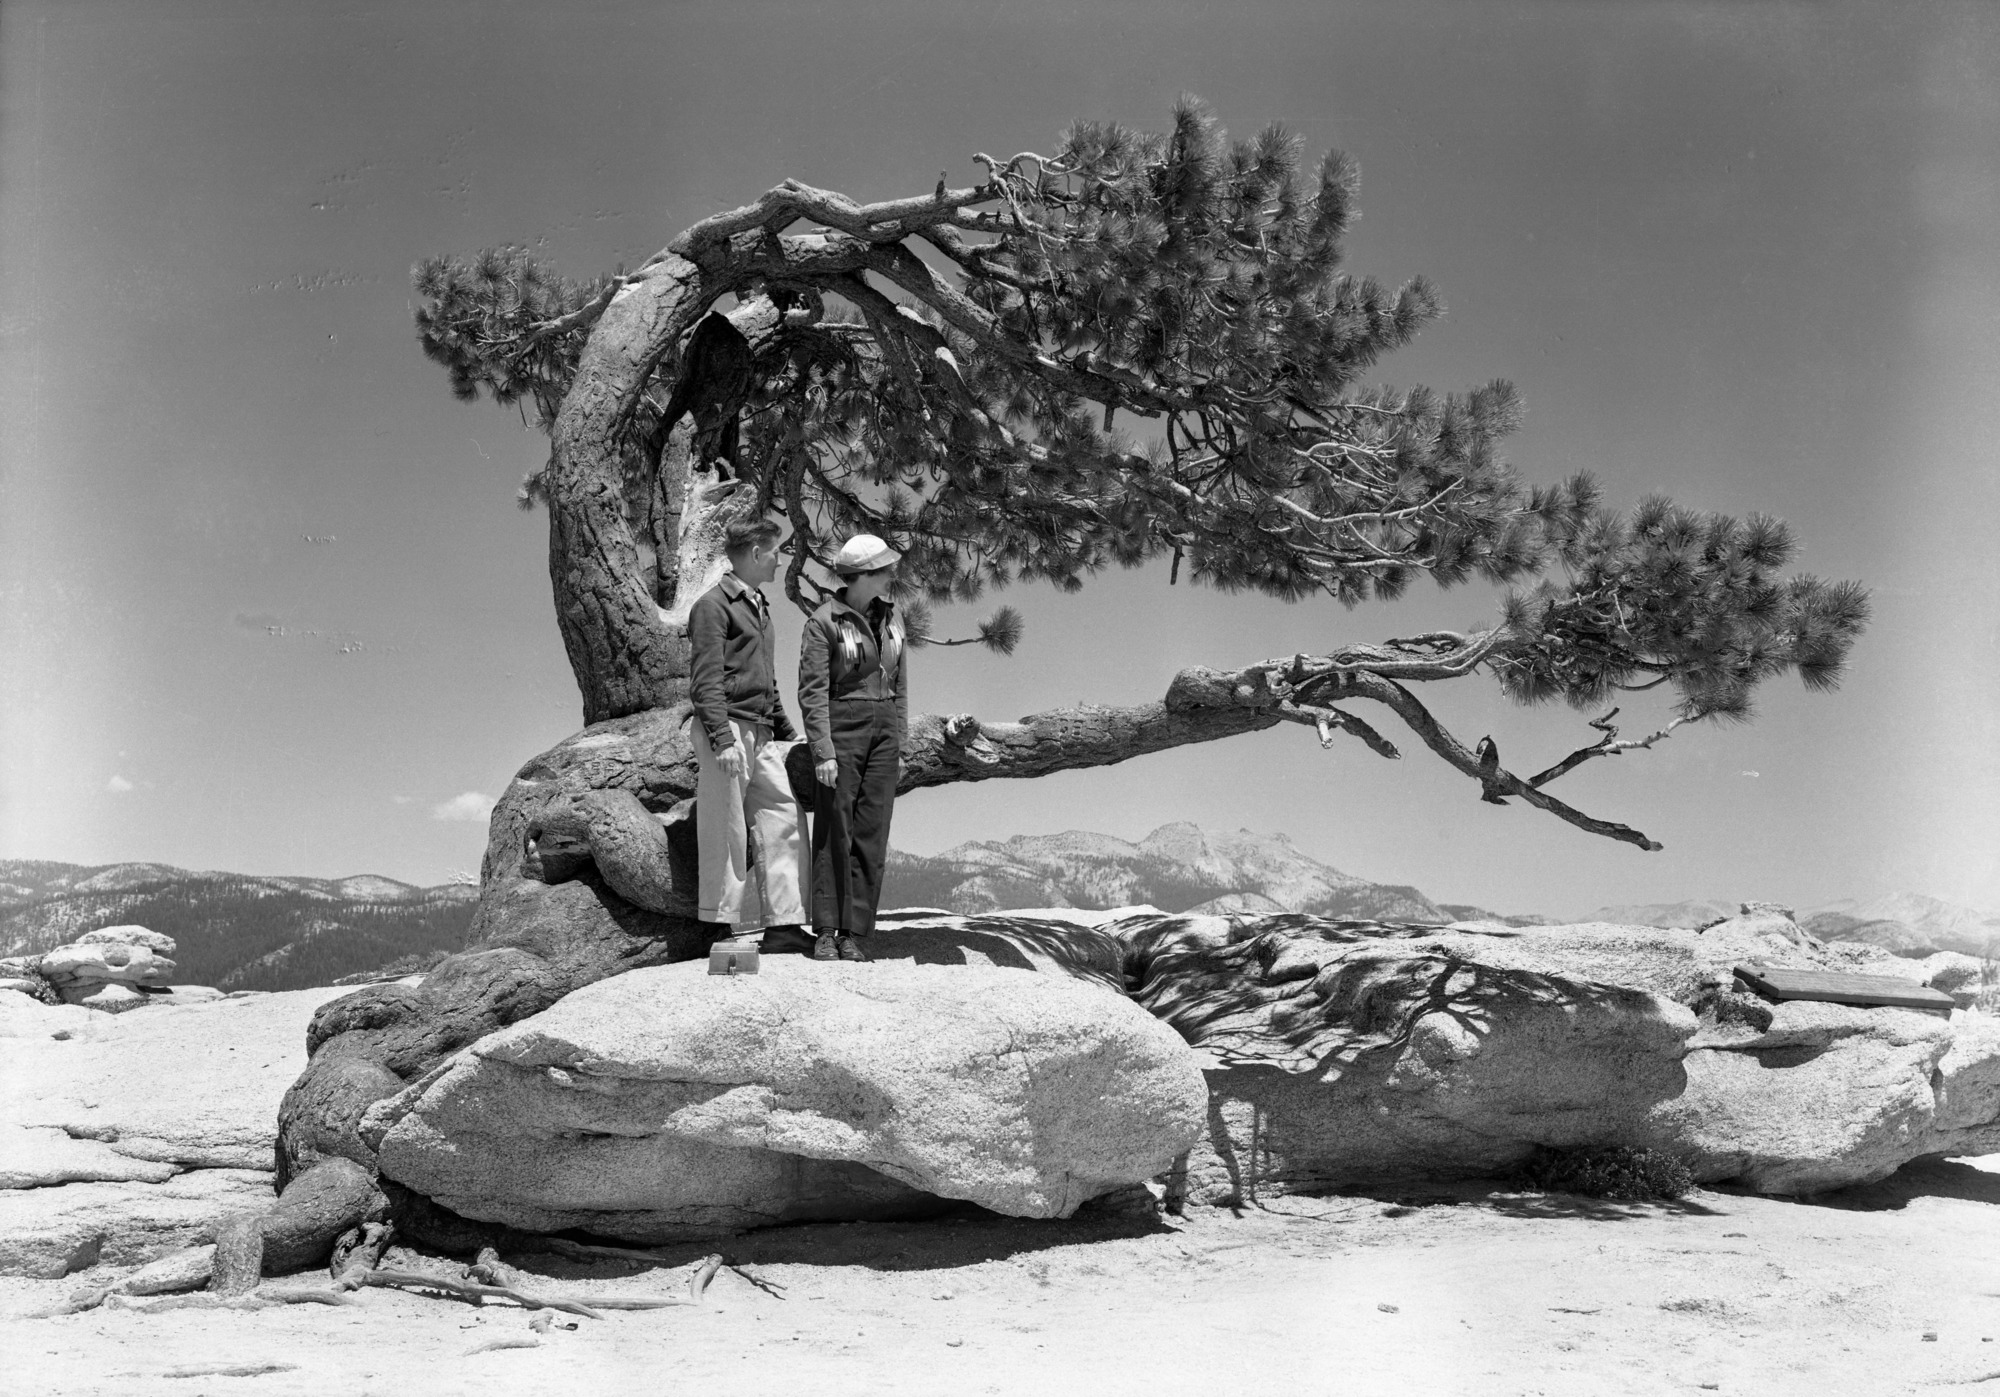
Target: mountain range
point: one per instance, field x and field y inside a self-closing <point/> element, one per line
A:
<point x="1906" y="923"/>
<point x="1176" y="868"/>
<point x="236" y="931"/>
<point x="240" y="931"/>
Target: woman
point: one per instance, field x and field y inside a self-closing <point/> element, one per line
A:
<point x="855" y="697"/>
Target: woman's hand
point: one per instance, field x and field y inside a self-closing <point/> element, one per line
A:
<point x="828" y="772"/>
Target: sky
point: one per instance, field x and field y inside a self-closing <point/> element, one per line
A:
<point x="267" y="603"/>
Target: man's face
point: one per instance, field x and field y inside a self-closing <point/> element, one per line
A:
<point x="756" y="565"/>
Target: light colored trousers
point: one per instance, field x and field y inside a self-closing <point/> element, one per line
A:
<point x="748" y="829"/>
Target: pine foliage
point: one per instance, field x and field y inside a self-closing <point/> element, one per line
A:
<point x="505" y="323"/>
<point x="1147" y="346"/>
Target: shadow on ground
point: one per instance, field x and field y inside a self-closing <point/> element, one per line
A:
<point x="1923" y="1178"/>
<point x="969" y="1235"/>
<point x="963" y="1237"/>
<point x="1498" y="1196"/>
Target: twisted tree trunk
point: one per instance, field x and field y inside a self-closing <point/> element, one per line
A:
<point x="590" y="871"/>
<point x="627" y="646"/>
<point x="590" y="862"/>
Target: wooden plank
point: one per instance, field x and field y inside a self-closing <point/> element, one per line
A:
<point x="1782" y="982"/>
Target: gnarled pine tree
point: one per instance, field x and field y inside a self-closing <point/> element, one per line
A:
<point x="1137" y="346"/>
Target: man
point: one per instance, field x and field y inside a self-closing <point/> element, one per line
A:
<point x="746" y="819"/>
<point x="854" y="697"/>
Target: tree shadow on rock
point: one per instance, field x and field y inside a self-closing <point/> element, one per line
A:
<point x="1016" y="943"/>
<point x="1307" y="996"/>
<point x="1341" y="1052"/>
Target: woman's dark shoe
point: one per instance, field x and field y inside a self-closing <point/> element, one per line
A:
<point x="823" y="947"/>
<point x="850" y="949"/>
<point x="790" y="940"/>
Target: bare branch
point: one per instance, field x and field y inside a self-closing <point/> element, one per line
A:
<point x="1326" y="720"/>
<point x="792" y="201"/>
<point x="585" y="314"/>
<point x="1483" y="766"/>
<point x="1606" y="746"/>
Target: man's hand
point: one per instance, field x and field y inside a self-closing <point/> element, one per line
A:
<point x="730" y="759"/>
<point x="828" y="771"/>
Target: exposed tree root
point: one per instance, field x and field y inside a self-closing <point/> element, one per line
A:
<point x="590" y="1251"/>
<point x="472" y="1290"/>
<point x="489" y="1269"/>
<point x="503" y="1341"/>
<point x="262" y="1299"/>
<point x="488" y="1276"/>
<point x="704" y="1273"/>
<point x="359" y="1251"/>
<point x="770" y="1288"/>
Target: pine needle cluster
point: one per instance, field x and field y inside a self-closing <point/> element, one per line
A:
<point x="503" y="322"/>
<point x="1669" y="595"/>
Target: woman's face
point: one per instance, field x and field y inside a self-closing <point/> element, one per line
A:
<point x="865" y="587"/>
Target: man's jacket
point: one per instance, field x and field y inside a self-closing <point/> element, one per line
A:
<point x="845" y="655"/>
<point x="733" y="671"/>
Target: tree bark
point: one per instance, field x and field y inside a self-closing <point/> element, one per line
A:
<point x="626" y="654"/>
<point x="624" y="659"/>
<point x="1201" y="705"/>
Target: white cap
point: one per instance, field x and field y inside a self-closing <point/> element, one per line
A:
<point x="865" y="553"/>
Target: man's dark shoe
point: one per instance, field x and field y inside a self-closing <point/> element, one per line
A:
<point x="786" y="941"/>
<point x="823" y="947"/>
<point x="850" y="949"/>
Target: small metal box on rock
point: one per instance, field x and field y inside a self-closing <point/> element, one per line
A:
<point x="733" y="957"/>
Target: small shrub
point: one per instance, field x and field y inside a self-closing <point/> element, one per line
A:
<point x="1606" y="1171"/>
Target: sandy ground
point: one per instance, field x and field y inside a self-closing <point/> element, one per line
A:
<point x="1889" y="1289"/>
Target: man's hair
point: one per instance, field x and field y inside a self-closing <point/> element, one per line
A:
<point x="744" y="534"/>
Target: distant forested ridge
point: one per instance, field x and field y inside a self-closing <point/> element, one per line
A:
<point x="243" y="932"/>
<point x="235" y="931"/>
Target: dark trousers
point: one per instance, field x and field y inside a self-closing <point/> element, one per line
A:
<point x="850" y="828"/>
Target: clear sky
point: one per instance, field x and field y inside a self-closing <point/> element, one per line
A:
<point x="266" y="603"/>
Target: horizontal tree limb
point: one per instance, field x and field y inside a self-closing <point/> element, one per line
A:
<point x="1204" y="705"/>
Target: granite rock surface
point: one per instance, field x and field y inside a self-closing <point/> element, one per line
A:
<point x="1348" y="1052"/>
<point x="668" y="1103"/>
<point x="132" y="1136"/>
